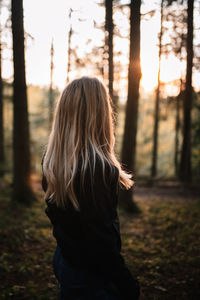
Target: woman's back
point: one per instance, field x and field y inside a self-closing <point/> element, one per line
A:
<point x="81" y="178"/>
<point x="98" y="203"/>
<point x="89" y="239"/>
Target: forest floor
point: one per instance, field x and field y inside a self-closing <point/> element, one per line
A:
<point x="161" y="245"/>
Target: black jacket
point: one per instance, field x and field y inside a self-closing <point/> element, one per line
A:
<point x="91" y="238"/>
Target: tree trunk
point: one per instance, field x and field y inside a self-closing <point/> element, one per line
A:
<point x="130" y="132"/>
<point x="21" y="147"/>
<point x="51" y="98"/>
<point x="177" y="128"/>
<point x="69" y="46"/>
<point x="2" y="153"/>
<point x="185" y="164"/>
<point x="109" y="43"/>
<point x="157" y="102"/>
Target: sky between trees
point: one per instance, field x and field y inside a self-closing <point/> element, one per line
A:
<point x="48" y="19"/>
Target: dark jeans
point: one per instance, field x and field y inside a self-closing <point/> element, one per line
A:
<point x="80" y="284"/>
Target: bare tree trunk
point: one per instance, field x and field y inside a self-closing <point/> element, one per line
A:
<point x="21" y="142"/>
<point x="156" y="113"/>
<point x="130" y="132"/>
<point x="69" y="46"/>
<point x="2" y="153"/>
<point x="51" y="99"/>
<point x="109" y="43"/>
<point x="185" y="164"/>
<point x="177" y="128"/>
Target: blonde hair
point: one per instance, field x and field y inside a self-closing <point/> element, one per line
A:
<point x="83" y="120"/>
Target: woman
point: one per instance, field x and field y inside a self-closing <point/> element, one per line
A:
<point x="81" y="177"/>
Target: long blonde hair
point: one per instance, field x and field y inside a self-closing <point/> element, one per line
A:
<point x="83" y="119"/>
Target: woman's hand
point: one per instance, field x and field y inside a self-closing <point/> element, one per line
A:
<point x="141" y="297"/>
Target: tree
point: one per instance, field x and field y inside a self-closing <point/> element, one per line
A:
<point x="177" y="128"/>
<point x="109" y="43"/>
<point x="134" y="74"/>
<point x="185" y="163"/>
<point x="157" y="102"/>
<point x="178" y="49"/>
<point x="2" y="153"/>
<point x="51" y="97"/>
<point x="177" y="35"/>
<point x="69" y="45"/>
<point x="22" y="191"/>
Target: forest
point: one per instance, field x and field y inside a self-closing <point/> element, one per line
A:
<point x="148" y="55"/>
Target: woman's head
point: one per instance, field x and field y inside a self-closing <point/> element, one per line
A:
<point x="83" y="116"/>
<point x="82" y="126"/>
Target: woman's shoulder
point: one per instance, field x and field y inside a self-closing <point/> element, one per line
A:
<point x="99" y="187"/>
<point x="105" y="168"/>
<point x="99" y="172"/>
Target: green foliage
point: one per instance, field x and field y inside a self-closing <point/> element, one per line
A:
<point x="38" y="104"/>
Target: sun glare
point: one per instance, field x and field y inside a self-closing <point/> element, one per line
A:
<point x="170" y="71"/>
